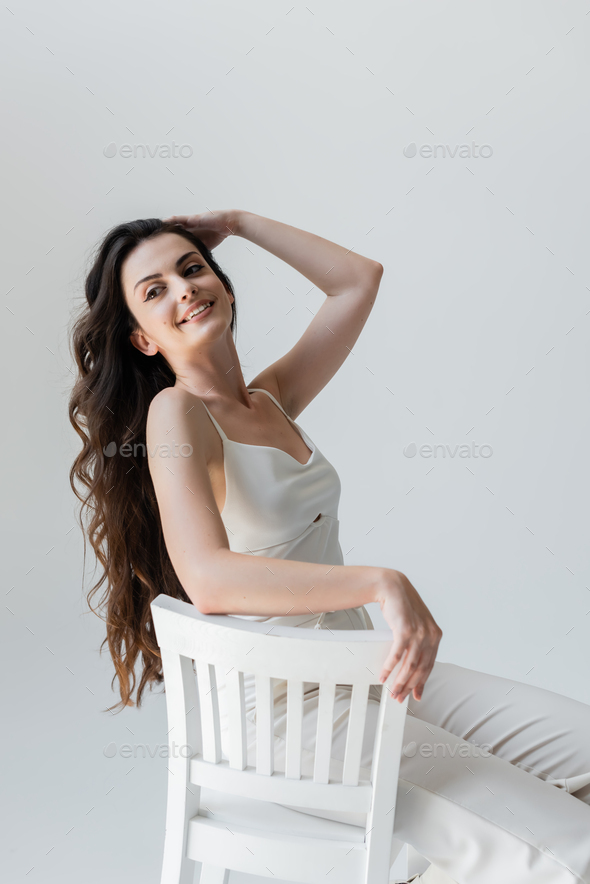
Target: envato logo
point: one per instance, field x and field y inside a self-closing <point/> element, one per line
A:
<point x="141" y="750"/>
<point x="464" y="750"/>
<point x="431" y="151"/>
<point x="164" y="151"/>
<point x="412" y="450"/>
<point x="126" y="450"/>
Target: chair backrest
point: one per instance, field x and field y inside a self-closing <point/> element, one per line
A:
<point x="296" y="655"/>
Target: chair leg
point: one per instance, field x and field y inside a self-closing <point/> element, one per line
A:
<point x="213" y="874"/>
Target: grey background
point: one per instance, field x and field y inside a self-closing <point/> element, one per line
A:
<point x="480" y="334"/>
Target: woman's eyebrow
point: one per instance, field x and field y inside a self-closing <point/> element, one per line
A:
<point x="158" y="275"/>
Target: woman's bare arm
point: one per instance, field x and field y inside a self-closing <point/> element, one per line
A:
<point x="237" y="583"/>
<point x="351" y="283"/>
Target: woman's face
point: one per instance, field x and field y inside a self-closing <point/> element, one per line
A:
<point x="164" y="279"/>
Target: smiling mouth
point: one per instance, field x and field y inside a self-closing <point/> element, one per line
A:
<point x="201" y="310"/>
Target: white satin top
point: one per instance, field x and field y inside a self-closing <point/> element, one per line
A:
<point x="271" y="502"/>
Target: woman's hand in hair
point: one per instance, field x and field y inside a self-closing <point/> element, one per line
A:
<point x="211" y="227"/>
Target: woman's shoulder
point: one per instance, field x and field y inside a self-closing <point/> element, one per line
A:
<point x="168" y="396"/>
<point x="176" y="407"/>
<point x="166" y="402"/>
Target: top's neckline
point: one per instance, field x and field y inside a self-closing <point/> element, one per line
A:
<point x="304" y="435"/>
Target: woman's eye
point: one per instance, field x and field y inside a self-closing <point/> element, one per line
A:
<point x="150" y="292"/>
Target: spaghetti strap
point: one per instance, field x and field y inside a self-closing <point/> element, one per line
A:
<point x="276" y="402"/>
<point x="215" y="424"/>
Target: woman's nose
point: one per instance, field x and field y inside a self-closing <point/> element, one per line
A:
<point x="187" y="290"/>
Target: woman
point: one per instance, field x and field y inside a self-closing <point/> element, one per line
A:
<point x="234" y="509"/>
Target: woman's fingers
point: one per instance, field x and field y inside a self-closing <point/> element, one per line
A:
<point x="396" y="652"/>
<point x="417" y="679"/>
<point x="182" y="220"/>
<point x="407" y="670"/>
<point x="426" y="670"/>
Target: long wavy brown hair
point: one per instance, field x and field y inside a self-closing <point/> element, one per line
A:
<point x="108" y="406"/>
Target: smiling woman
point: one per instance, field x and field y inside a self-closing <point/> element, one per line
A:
<point x="155" y="350"/>
<point x="247" y="526"/>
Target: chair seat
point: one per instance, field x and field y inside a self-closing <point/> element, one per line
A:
<point x="269" y="816"/>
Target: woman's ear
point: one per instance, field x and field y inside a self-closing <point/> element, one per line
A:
<point x="139" y="340"/>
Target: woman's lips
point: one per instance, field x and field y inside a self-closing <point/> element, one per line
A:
<point x="200" y="315"/>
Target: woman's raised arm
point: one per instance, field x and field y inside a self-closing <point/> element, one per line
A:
<point x="350" y="281"/>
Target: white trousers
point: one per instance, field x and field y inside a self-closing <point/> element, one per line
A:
<point x="494" y="784"/>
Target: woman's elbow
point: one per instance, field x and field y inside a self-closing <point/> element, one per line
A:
<point x="202" y="589"/>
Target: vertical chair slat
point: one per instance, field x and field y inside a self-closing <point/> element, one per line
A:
<point x="265" y="742"/>
<point x="384" y="776"/>
<point x="210" y="723"/>
<point x="354" y="736"/>
<point x="236" y="709"/>
<point x="294" y="729"/>
<point x="323" y="751"/>
<point x="182" y="706"/>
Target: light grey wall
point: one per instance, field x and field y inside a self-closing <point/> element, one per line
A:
<point x="479" y="335"/>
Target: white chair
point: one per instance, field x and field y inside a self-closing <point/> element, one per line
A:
<point x="226" y="814"/>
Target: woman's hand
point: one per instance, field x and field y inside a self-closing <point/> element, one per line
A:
<point x="211" y="227"/>
<point x="414" y="632"/>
